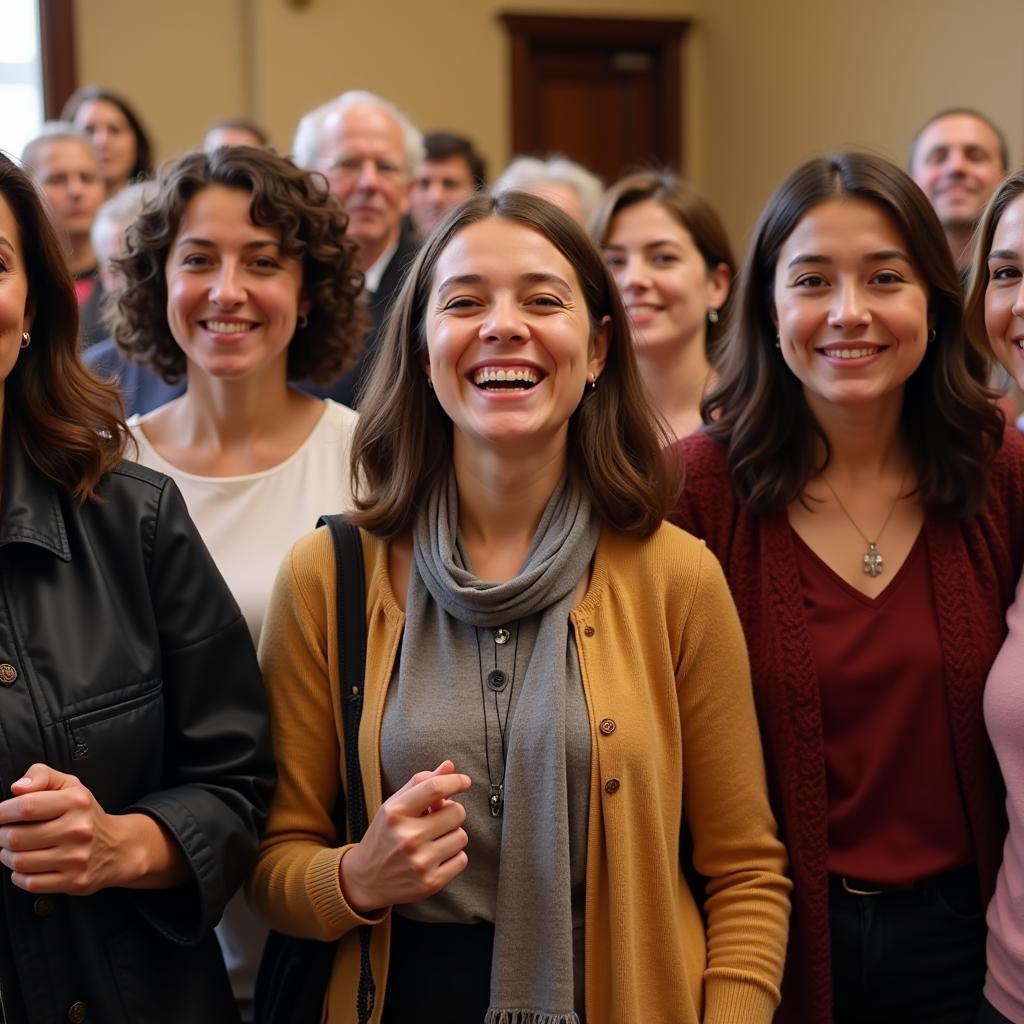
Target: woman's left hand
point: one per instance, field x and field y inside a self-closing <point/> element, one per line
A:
<point x="55" y="837"/>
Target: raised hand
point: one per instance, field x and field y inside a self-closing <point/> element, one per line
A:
<point x="414" y="846"/>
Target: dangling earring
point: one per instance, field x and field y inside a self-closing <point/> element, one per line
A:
<point x="26" y="339"/>
<point x="592" y="382"/>
<point x="778" y="341"/>
<point x="303" y="321"/>
<point x="713" y="316"/>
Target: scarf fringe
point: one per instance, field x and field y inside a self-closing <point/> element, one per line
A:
<point x="529" y="1017"/>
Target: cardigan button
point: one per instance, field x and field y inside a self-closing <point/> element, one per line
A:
<point x="8" y="673"/>
<point x="611" y="786"/>
<point x="42" y="906"/>
<point x="588" y="630"/>
<point x="77" y="1012"/>
<point x="607" y="726"/>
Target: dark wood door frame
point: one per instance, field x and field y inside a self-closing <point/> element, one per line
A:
<point x="57" y="49"/>
<point x="530" y="32"/>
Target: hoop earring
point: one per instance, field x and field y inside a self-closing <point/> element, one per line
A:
<point x="26" y="339"/>
<point x="303" y="321"/>
<point x="932" y="335"/>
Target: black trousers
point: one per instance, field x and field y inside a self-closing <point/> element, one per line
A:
<point x="988" y="1014"/>
<point x="438" y="972"/>
<point x="908" y="956"/>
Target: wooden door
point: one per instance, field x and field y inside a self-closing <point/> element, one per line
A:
<point x="603" y="91"/>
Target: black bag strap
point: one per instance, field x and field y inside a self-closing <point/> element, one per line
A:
<point x="350" y="588"/>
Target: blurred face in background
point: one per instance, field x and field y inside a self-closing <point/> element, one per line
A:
<point x="114" y="139"/>
<point x="439" y="186"/>
<point x="69" y="175"/>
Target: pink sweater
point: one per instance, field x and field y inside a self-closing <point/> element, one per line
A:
<point x="1004" y="718"/>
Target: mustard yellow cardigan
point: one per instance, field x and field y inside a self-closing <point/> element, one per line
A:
<point x="674" y="742"/>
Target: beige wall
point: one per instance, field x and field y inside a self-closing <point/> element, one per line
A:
<point x="766" y="84"/>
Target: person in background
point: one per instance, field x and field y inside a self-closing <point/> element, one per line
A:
<point x="557" y="179"/>
<point x="450" y="172"/>
<point x="367" y="150"/>
<point x="958" y="158"/>
<point x="854" y="480"/>
<point x="670" y="256"/>
<point x="234" y="131"/>
<point x="240" y="277"/>
<point x="121" y="142"/>
<point x="995" y="323"/>
<point x="63" y="162"/>
<point x="135" y="761"/>
<point x="141" y="389"/>
<point x="571" y="664"/>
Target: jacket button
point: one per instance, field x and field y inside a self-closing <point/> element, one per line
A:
<point x="607" y="726"/>
<point x="43" y="906"/>
<point x="77" y="1012"/>
<point x="588" y="630"/>
<point x="8" y="673"/>
<point x="611" y="786"/>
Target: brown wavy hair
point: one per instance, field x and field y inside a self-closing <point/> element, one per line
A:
<point x="68" y="422"/>
<point x="693" y="212"/>
<point x="312" y="225"/>
<point x="757" y="409"/>
<point x="403" y="441"/>
<point x="974" y="308"/>
<point x="143" y="165"/>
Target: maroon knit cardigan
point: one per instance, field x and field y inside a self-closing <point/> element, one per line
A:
<point x="974" y="565"/>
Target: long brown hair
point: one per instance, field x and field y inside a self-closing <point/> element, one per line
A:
<point x="403" y="441"/>
<point x="68" y="422"/>
<point x="758" y="410"/>
<point x="974" y="309"/>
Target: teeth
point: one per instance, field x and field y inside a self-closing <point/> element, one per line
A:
<point x="851" y="353"/>
<point x="493" y="374"/>
<point x="223" y="327"/>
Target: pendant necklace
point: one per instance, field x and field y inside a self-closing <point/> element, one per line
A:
<point x="497" y="682"/>
<point x="873" y="560"/>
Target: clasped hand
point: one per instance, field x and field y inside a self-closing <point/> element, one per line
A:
<point x="55" y="837"/>
<point x="414" y="846"/>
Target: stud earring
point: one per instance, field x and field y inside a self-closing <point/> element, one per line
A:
<point x="26" y="339"/>
<point x="713" y="316"/>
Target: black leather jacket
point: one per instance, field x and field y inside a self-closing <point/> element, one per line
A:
<point x="124" y="660"/>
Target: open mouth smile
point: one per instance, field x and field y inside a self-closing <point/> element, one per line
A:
<point x="506" y="378"/>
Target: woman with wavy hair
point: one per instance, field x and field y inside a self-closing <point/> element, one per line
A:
<point x="552" y="672"/>
<point x="995" y="324"/>
<point x="670" y="256"/>
<point x="239" y="276"/>
<point x="135" y="760"/>
<point x="854" y="480"/>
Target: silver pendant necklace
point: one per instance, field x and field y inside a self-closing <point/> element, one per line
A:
<point x="497" y="682"/>
<point x="873" y="562"/>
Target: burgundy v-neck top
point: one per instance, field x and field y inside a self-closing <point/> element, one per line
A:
<point x="895" y="809"/>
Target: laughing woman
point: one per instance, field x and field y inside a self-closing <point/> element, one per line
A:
<point x="572" y="666"/>
<point x="854" y="482"/>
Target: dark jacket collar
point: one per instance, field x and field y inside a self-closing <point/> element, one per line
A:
<point x="30" y="512"/>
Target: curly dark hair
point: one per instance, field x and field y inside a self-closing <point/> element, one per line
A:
<point x="312" y="225"/>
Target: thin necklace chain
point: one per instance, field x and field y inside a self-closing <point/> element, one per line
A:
<point x="881" y="529"/>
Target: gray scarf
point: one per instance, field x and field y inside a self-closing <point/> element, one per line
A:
<point x="532" y="969"/>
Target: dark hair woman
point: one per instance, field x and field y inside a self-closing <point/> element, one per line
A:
<point x="852" y="480"/>
<point x="572" y="666"/>
<point x="995" y="324"/>
<point x="239" y="276"/>
<point x="670" y="256"/>
<point x="135" y="757"/>
<point x="121" y="142"/>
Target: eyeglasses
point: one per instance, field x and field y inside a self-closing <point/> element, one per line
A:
<point x="349" y="168"/>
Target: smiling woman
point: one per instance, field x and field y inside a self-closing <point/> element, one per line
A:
<point x="570" y="664"/>
<point x="853" y="480"/>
